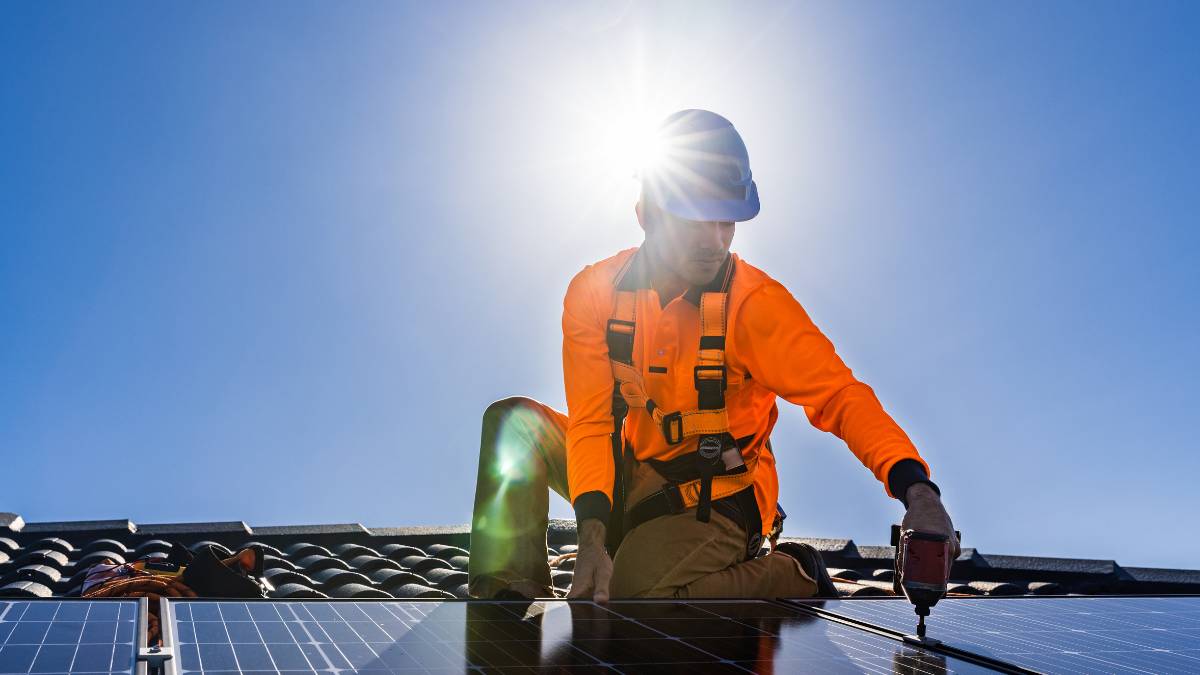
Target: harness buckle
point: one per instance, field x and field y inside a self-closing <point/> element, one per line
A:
<point x="710" y="448"/>
<point x="674" y="498"/>
<point x="619" y="336"/>
<point x="702" y="381"/>
<point x="672" y="428"/>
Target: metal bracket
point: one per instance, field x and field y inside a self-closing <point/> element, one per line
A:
<point x="155" y="657"/>
<point x="922" y="641"/>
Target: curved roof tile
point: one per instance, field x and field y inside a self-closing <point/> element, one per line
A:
<point x="315" y="563"/>
<point x="25" y="589"/>
<point x="358" y="591"/>
<point x="418" y="591"/>
<point x="389" y="579"/>
<point x="297" y="591"/>
<point x="421" y="565"/>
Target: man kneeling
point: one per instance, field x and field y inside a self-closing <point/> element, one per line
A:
<point x="673" y="355"/>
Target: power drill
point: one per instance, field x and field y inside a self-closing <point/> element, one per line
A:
<point x="922" y="570"/>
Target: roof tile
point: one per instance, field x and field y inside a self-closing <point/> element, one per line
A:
<point x="839" y="547"/>
<point x="11" y="522"/>
<point x="43" y="557"/>
<point x="304" y="549"/>
<point x="962" y="588"/>
<point x="95" y="527"/>
<point x="446" y="579"/>
<point x="279" y="577"/>
<point x="53" y="544"/>
<point x="389" y="579"/>
<point x="1025" y="563"/>
<point x="418" y="591"/>
<point x="845" y="575"/>
<point x="270" y="561"/>
<point x="221" y="549"/>
<point x="108" y="545"/>
<point x="1044" y="588"/>
<point x="302" y="530"/>
<point x="855" y="590"/>
<point x="43" y="574"/>
<point x="348" y="551"/>
<point x="151" y="546"/>
<point x="315" y="563"/>
<point x="422" y="565"/>
<point x="358" y="591"/>
<point x="398" y="552"/>
<point x="370" y="563"/>
<point x="267" y="549"/>
<point x="95" y="557"/>
<point x="297" y="591"/>
<point x="209" y="528"/>
<point x="330" y="579"/>
<point x="997" y="587"/>
<point x="444" y="552"/>
<point x="25" y="589"/>
<point x="883" y="574"/>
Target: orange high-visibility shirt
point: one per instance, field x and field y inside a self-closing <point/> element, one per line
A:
<point x="772" y="349"/>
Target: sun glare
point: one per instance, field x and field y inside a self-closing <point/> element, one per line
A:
<point x="629" y="146"/>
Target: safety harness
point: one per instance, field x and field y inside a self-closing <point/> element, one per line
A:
<point x="697" y="480"/>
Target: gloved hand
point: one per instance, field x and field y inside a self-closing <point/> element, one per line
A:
<point x="927" y="514"/>
<point x="593" y="567"/>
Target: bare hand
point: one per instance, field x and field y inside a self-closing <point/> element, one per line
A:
<point x="593" y="567"/>
<point x="927" y="514"/>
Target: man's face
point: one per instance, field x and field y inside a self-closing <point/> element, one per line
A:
<point x="692" y="249"/>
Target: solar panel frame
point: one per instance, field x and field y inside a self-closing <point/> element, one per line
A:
<point x="139" y="667"/>
<point x="836" y="646"/>
<point x="1049" y="637"/>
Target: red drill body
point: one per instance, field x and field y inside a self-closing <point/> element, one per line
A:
<point x="922" y="570"/>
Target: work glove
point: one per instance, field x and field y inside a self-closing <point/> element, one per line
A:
<point x="927" y="514"/>
<point x="593" y="567"/>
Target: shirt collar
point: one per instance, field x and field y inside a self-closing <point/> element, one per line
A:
<point x="637" y="276"/>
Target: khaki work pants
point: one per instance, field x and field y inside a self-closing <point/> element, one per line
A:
<point x="523" y="455"/>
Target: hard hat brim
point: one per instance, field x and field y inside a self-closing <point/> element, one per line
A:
<point x="719" y="210"/>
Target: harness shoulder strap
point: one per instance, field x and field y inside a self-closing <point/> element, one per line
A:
<point x="711" y="382"/>
<point x="620" y="336"/>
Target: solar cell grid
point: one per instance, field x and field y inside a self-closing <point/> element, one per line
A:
<point x="401" y="637"/>
<point x="1070" y="635"/>
<point x="69" y="636"/>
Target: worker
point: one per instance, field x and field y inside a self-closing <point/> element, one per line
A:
<point x="673" y="356"/>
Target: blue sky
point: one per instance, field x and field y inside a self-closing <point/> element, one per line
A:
<point x="271" y="262"/>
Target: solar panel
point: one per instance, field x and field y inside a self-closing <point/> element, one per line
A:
<point x="1075" y="634"/>
<point x="433" y="636"/>
<point x="69" y="636"/>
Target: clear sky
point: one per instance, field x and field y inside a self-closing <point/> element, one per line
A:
<point x="270" y="262"/>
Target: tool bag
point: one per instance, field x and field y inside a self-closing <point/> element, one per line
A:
<point x="182" y="574"/>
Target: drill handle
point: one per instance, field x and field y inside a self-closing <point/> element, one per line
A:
<point x="896" y="530"/>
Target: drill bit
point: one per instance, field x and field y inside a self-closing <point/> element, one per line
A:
<point x="922" y="612"/>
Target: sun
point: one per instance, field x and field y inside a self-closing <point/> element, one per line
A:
<point x="628" y="146"/>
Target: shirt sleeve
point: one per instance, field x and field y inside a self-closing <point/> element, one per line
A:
<point x="589" y="385"/>
<point x="785" y="352"/>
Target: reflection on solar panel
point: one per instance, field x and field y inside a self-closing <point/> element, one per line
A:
<point x="381" y="636"/>
<point x="1130" y="634"/>
<point x="69" y="636"/>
